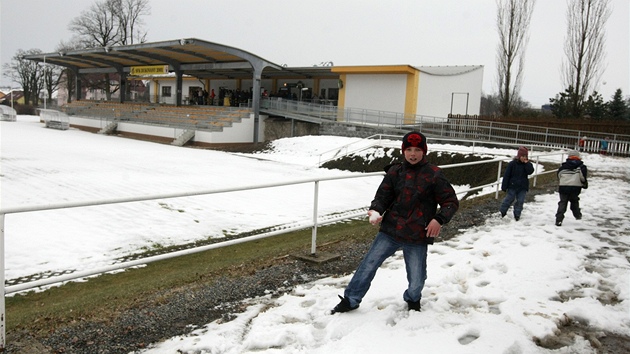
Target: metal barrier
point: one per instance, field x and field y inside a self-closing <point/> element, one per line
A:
<point x="55" y="119"/>
<point x="313" y="224"/>
<point x="7" y="113"/>
<point x="462" y="128"/>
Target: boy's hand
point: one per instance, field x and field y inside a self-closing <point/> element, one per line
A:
<point x="375" y="217"/>
<point x="433" y="229"/>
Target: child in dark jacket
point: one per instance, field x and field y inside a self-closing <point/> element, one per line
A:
<point x="571" y="179"/>
<point x="406" y="207"/>
<point x="516" y="183"/>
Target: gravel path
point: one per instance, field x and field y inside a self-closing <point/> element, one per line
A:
<point x="198" y="305"/>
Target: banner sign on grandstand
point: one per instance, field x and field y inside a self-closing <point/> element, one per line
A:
<point x="148" y="70"/>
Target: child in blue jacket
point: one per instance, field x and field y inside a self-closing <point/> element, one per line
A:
<point x="516" y="183"/>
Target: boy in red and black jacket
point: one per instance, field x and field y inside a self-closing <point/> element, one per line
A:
<point x="406" y="206"/>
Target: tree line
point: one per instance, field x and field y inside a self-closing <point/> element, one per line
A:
<point x="581" y="70"/>
<point x="105" y="23"/>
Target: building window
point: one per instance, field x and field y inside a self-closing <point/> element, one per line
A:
<point x="166" y="91"/>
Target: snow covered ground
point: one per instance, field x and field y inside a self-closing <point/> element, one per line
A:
<point x="493" y="289"/>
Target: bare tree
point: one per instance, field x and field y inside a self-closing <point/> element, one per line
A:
<point x="584" y="48"/>
<point x="107" y="23"/>
<point x="67" y="76"/>
<point x="111" y="22"/>
<point x="513" y="18"/>
<point x="51" y="76"/>
<point x="97" y="26"/>
<point x="25" y="73"/>
<point x="130" y="21"/>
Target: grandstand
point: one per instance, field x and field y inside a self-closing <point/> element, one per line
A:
<point x="192" y="66"/>
<point x="212" y="118"/>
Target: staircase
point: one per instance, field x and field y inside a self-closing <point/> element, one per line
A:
<point x="109" y="128"/>
<point x="183" y="138"/>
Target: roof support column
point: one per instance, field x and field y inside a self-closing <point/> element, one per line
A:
<point x="178" y="87"/>
<point x="123" y="85"/>
<point x="77" y="86"/>
<point x="256" y="101"/>
<point x="258" y="66"/>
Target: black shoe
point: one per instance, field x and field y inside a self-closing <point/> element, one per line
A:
<point x="343" y="306"/>
<point x="558" y="223"/>
<point x="578" y="217"/>
<point x="413" y="305"/>
<point x="517" y="218"/>
<point x="503" y="214"/>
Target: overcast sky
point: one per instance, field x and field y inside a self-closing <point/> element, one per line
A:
<point x="348" y="32"/>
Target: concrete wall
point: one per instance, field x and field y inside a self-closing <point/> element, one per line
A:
<point x="276" y="128"/>
<point x="239" y="132"/>
<point x="242" y="132"/>
<point x="342" y="129"/>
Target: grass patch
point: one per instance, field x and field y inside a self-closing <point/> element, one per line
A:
<point x="102" y="298"/>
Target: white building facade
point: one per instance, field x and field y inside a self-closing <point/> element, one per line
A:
<point x="434" y="91"/>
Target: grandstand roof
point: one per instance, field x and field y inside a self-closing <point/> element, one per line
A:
<point x="192" y="56"/>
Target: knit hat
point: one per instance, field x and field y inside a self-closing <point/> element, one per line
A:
<point x="522" y="151"/>
<point x="414" y="139"/>
<point x="574" y="154"/>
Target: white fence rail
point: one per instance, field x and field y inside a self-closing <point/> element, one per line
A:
<point x="55" y="119"/>
<point x="7" y="113"/>
<point x="463" y="128"/>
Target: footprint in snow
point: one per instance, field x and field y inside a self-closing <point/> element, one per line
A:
<point x="469" y="337"/>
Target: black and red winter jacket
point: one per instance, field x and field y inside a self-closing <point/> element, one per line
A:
<point x="408" y="198"/>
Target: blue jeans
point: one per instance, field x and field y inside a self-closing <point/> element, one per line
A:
<point x="509" y="198"/>
<point x="383" y="247"/>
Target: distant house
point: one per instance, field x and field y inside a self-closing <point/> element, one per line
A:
<point x="136" y="91"/>
<point x="17" y="96"/>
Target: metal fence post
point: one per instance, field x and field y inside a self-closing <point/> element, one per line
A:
<point x="314" y="232"/>
<point x="496" y="194"/>
<point x="536" y="170"/>
<point x="3" y="314"/>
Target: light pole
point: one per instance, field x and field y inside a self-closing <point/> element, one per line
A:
<point x="460" y="93"/>
<point x="45" y="81"/>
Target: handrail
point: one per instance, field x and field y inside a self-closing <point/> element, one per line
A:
<point x="67" y="205"/>
<point x="473" y="129"/>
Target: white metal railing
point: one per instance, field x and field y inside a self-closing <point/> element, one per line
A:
<point x="312" y="224"/>
<point x="54" y="119"/>
<point x="464" y="128"/>
<point x="7" y="113"/>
